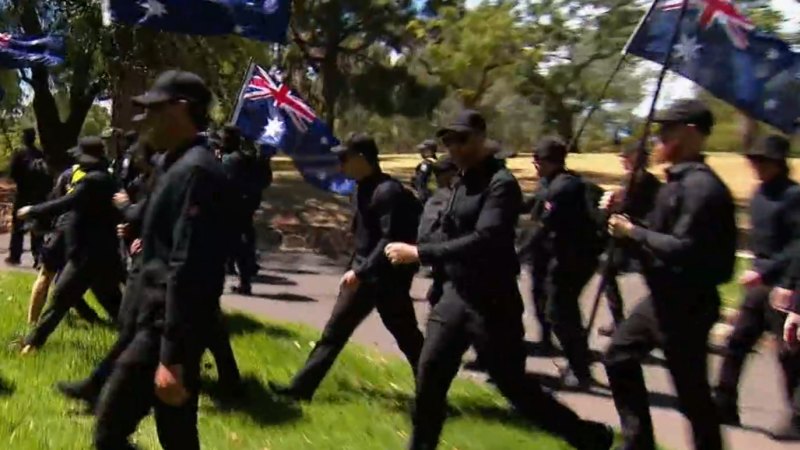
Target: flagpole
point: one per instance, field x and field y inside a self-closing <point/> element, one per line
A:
<point x="238" y="108"/>
<point x="596" y="105"/>
<point x="639" y="164"/>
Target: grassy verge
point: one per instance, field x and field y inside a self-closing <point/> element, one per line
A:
<point x="362" y="405"/>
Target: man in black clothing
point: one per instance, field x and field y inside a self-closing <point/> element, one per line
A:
<point x="774" y="239"/>
<point x="424" y="170"/>
<point x="241" y="170"/>
<point x="34" y="182"/>
<point x="641" y="202"/>
<point x="185" y="237"/>
<point x="786" y="300"/>
<point x="481" y="304"/>
<point x="561" y="247"/>
<point x="92" y="249"/>
<point x="687" y="250"/>
<point x="383" y="214"/>
<point x="430" y="226"/>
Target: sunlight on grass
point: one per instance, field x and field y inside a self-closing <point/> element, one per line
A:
<point x="363" y="404"/>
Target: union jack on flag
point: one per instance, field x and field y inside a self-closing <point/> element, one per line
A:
<point x="262" y="86"/>
<point x="723" y="12"/>
<point x="24" y="51"/>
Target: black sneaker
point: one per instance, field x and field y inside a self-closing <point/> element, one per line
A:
<point x="289" y="392"/>
<point x="84" y="390"/>
<point x="12" y="262"/>
<point x="787" y="430"/>
<point x="571" y="382"/>
<point x="242" y="289"/>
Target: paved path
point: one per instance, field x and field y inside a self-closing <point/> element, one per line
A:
<point x="300" y="287"/>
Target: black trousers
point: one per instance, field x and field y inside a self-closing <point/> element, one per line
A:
<point x="218" y="339"/>
<point x="679" y="322"/>
<point x="538" y="276"/>
<point x="245" y="255"/>
<point x="390" y="297"/>
<point x="101" y="275"/>
<point x="496" y="331"/>
<point x="614" y="297"/>
<point x="129" y="394"/>
<point x="756" y="317"/>
<point x="564" y="289"/>
<point x="18" y="235"/>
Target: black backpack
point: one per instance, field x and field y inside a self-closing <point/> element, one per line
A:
<point x="598" y="231"/>
<point x="410" y="213"/>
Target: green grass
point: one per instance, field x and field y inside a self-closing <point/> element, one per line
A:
<point x="363" y="404"/>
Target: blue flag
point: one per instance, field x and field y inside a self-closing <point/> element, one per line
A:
<point x="262" y="20"/>
<point x="720" y="49"/>
<point x="17" y="52"/>
<point x="271" y="114"/>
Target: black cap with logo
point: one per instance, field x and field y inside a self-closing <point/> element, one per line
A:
<point x="687" y="112"/>
<point x="773" y="148"/>
<point x="174" y="85"/>
<point x="467" y="121"/>
<point x="550" y="148"/>
<point x="360" y="144"/>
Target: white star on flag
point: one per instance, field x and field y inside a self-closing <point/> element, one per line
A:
<point x="154" y="9"/>
<point x="274" y="129"/>
<point x="238" y="29"/>
<point x="687" y="48"/>
<point x="324" y="140"/>
<point x="773" y="54"/>
<point x="771" y="104"/>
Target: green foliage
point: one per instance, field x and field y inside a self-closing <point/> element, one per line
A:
<point x="362" y="386"/>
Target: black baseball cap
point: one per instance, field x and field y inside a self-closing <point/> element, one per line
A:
<point x="175" y="85"/>
<point x="358" y="143"/>
<point x="687" y="112"/>
<point x="467" y="121"/>
<point x="551" y="148"/>
<point x="772" y="147"/>
<point x="428" y="144"/>
<point x="90" y="146"/>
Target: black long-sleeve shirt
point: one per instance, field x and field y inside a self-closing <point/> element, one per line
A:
<point x="562" y="223"/>
<point x="478" y="252"/>
<point x="88" y="216"/>
<point x="379" y="220"/>
<point x="185" y="239"/>
<point x="691" y="234"/>
<point x="775" y="227"/>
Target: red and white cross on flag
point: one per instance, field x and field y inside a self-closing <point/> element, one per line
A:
<point x="263" y="86"/>
<point x="5" y="39"/>
<point x="723" y="12"/>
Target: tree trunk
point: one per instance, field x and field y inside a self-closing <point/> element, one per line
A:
<point x="330" y="86"/>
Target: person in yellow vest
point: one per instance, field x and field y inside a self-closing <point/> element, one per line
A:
<point x="92" y="248"/>
<point x="53" y="257"/>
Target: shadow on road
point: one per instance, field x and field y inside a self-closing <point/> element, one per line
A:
<point x="295" y="271"/>
<point x="274" y="280"/>
<point x="257" y="402"/>
<point x="287" y="297"/>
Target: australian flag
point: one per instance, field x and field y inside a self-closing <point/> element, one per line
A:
<point x="271" y="114"/>
<point x="262" y="20"/>
<point x="17" y="52"/>
<point x="720" y="49"/>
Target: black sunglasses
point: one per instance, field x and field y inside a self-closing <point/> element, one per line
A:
<point x="454" y="139"/>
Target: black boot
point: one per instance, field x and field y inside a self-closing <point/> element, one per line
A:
<point x="289" y="392"/>
<point x="85" y="390"/>
<point x="595" y="436"/>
